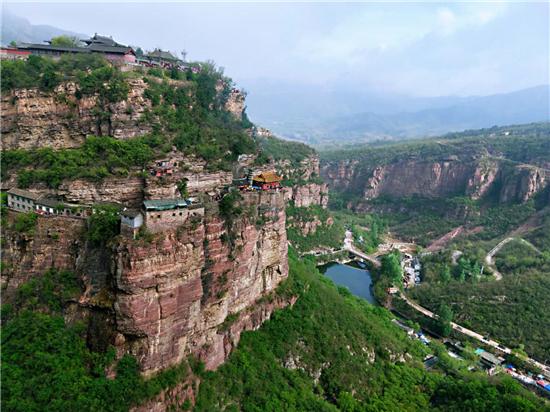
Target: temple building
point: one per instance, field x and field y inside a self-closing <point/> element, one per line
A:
<point x="266" y="181"/>
<point x="163" y="214"/>
<point x="131" y="221"/>
<point x="161" y="58"/>
<point x="106" y="46"/>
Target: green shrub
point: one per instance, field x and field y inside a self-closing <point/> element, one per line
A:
<point x="103" y="224"/>
<point x="25" y="222"/>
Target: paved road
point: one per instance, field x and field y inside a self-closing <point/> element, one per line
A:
<point x="493" y="252"/>
<point x="348" y="245"/>
<point x="471" y="333"/>
<point x="496" y="249"/>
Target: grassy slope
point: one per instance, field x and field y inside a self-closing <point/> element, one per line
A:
<point x="330" y="335"/>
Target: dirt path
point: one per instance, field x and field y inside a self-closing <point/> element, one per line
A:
<point x="489" y="258"/>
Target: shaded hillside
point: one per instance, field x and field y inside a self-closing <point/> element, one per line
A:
<point x="329" y="120"/>
<point x="15" y="28"/>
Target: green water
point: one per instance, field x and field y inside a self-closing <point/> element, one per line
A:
<point x="358" y="281"/>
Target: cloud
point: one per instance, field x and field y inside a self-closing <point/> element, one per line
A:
<point x="446" y="20"/>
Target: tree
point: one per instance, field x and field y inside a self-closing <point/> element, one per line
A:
<point x="445" y="317"/>
<point x="391" y="268"/>
<point x="65" y="41"/>
<point x="445" y="274"/>
<point x="103" y="224"/>
<point x="182" y="188"/>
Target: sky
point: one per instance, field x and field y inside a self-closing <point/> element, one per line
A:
<point x="415" y="49"/>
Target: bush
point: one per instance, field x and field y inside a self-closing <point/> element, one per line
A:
<point x="103" y="224"/>
<point x="97" y="158"/>
<point x="25" y="222"/>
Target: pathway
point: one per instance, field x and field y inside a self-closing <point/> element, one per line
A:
<point x="348" y="245"/>
<point x="489" y="258"/>
<point x="471" y="333"/>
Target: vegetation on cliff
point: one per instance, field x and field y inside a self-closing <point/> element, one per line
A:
<point x="47" y="366"/>
<point x="97" y="158"/>
<point x="333" y="351"/>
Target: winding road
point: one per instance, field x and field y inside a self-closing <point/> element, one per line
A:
<point x="471" y="333"/>
<point x="489" y="258"/>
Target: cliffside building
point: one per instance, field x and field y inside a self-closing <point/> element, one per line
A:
<point x="22" y="200"/>
<point x="163" y="214"/>
<point x="266" y="181"/>
<point x="25" y="201"/>
<point x="131" y="221"/>
<point x="103" y="45"/>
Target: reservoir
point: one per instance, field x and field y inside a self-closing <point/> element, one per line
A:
<point x="357" y="280"/>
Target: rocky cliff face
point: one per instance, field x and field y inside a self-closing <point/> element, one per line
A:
<point x="189" y="290"/>
<point x="56" y="242"/>
<point x="236" y="104"/>
<point x="308" y="195"/>
<point x="32" y="118"/>
<point x="174" y="294"/>
<point x="472" y="177"/>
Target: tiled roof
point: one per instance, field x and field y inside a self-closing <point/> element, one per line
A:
<point x="37" y="46"/>
<point x="49" y="201"/>
<point x="161" y="54"/>
<point x="23" y="193"/>
<point x="164" y="204"/>
<point x="131" y="213"/>
<point x="267" y="177"/>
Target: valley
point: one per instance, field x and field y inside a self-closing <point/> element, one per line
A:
<point x="161" y="252"/>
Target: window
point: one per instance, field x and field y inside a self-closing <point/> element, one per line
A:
<point x="181" y="213"/>
<point x="158" y="216"/>
<point x="173" y="214"/>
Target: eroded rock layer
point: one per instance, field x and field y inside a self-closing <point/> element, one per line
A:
<point x="475" y="178"/>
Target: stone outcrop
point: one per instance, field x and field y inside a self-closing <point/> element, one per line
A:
<point x="308" y="195"/>
<point x="32" y="118"/>
<point x="55" y="242"/>
<point x="482" y="179"/>
<point x="124" y="190"/>
<point x="474" y="177"/>
<point x="236" y="104"/>
<point x="522" y="183"/>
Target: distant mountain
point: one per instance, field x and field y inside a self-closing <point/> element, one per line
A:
<point x="325" y="117"/>
<point x="15" y="28"/>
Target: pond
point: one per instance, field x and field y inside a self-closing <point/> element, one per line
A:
<point x="357" y="280"/>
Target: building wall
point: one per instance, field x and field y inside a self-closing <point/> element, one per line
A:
<point x="159" y="221"/>
<point x="132" y="223"/>
<point x="14" y="54"/>
<point x="20" y="204"/>
<point x="44" y="209"/>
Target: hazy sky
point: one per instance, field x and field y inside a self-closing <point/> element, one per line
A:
<point x="420" y="49"/>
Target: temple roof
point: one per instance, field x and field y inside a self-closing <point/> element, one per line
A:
<point x="161" y="54"/>
<point x="267" y="177"/>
